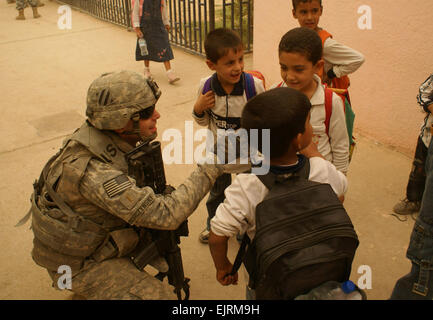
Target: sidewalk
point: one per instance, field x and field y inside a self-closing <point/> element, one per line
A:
<point x="45" y="76"/>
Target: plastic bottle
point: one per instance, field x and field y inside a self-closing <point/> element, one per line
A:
<point x="143" y="46"/>
<point x="333" y="290"/>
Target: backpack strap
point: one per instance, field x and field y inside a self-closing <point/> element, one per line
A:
<point x="207" y="85"/>
<point x="328" y="108"/>
<point x="250" y="87"/>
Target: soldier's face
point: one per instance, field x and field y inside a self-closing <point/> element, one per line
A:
<point x="147" y="129"/>
<point x="148" y="126"/>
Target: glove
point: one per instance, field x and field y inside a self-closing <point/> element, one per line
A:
<point x="160" y="264"/>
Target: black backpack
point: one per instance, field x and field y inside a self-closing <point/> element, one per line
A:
<point x="304" y="238"/>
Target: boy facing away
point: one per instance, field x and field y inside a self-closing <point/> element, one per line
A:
<point x="300" y="57"/>
<point x="340" y="60"/>
<point x="221" y="107"/>
<point x="286" y="113"/>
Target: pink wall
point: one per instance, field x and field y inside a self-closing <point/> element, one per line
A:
<point x="398" y="51"/>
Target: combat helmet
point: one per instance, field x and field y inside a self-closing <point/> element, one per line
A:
<point x="113" y="98"/>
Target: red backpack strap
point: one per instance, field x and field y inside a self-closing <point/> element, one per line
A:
<point x="328" y="108"/>
<point x="279" y="85"/>
<point x="258" y="75"/>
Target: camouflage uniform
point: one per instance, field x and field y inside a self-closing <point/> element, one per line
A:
<point x="21" y="4"/>
<point x="90" y="175"/>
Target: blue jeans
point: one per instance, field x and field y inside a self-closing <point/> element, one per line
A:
<point x="418" y="283"/>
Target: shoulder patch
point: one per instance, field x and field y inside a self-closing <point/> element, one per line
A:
<point x="117" y="185"/>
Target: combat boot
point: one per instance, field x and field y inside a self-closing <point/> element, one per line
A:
<point x="35" y="12"/>
<point x="20" y="15"/>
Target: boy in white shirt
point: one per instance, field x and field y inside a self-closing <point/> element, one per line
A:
<point x="300" y="57"/>
<point x="339" y="59"/>
<point x="286" y="113"/>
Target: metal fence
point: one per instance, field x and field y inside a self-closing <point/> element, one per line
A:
<point x="190" y="20"/>
<point x="114" y="11"/>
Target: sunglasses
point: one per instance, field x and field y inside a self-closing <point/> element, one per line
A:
<point x="144" y="114"/>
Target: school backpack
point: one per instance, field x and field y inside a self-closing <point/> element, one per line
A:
<point x="338" y="83"/>
<point x="250" y="88"/>
<point x="304" y="238"/>
<point x="348" y="111"/>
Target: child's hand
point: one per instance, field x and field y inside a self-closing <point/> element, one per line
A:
<point x="224" y="278"/>
<point x="204" y="102"/>
<point x="311" y="151"/>
<point x="430" y="108"/>
<point x="138" y="32"/>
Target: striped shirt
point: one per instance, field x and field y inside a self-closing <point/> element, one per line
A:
<point x="425" y="98"/>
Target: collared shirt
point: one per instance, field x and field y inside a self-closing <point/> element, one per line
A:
<point x="237" y="213"/>
<point x="226" y="114"/>
<point x="335" y="147"/>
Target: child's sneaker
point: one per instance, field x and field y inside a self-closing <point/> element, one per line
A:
<point x="147" y="73"/>
<point x="204" y="236"/>
<point x="172" y="77"/>
<point x="405" y="207"/>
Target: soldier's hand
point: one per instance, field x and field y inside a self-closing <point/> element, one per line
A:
<point x="168" y="189"/>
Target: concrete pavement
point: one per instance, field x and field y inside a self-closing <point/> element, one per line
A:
<point x="45" y="73"/>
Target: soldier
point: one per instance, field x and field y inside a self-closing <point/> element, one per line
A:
<point x="22" y="4"/>
<point x="86" y="209"/>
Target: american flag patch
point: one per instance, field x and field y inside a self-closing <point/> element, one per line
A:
<point x="117" y="185"/>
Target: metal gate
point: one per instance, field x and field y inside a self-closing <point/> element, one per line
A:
<point x="190" y="20"/>
<point x="114" y="11"/>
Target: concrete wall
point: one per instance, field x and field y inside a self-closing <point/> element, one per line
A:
<point x="398" y="51"/>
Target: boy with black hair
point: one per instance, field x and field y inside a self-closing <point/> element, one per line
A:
<point x="339" y="59"/>
<point x="286" y="113"/>
<point x="221" y="99"/>
<point x="300" y="57"/>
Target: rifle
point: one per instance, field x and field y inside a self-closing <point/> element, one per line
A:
<point x="145" y="165"/>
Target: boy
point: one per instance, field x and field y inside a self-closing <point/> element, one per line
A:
<point x="221" y="107"/>
<point x="339" y="60"/>
<point x="417" y="177"/>
<point x="286" y="113"/>
<point x="300" y="52"/>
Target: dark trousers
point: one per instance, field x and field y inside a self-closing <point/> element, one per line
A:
<point x="418" y="283"/>
<point x="216" y="196"/>
<point x="417" y="177"/>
